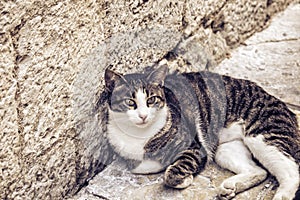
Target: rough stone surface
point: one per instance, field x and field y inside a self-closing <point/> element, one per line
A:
<point x="255" y="61"/>
<point x="271" y="58"/>
<point x="52" y="59"/>
<point x="116" y="182"/>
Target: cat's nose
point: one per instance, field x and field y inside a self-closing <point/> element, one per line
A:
<point x="143" y="116"/>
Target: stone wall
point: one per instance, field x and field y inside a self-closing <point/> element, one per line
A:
<point x="52" y="58"/>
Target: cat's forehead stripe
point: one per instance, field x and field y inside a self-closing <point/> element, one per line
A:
<point x="140" y="97"/>
<point x="139" y="88"/>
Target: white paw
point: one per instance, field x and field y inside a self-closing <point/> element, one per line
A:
<point x="186" y="182"/>
<point x="227" y="190"/>
<point x="282" y="196"/>
<point x="148" y="167"/>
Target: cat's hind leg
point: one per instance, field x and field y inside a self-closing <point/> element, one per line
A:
<point x="234" y="156"/>
<point x="284" y="168"/>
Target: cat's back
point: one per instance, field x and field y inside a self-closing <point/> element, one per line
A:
<point x="224" y="99"/>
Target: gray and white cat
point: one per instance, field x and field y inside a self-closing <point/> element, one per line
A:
<point x="178" y="122"/>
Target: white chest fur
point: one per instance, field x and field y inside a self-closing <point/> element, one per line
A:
<point x="129" y="140"/>
<point x="126" y="144"/>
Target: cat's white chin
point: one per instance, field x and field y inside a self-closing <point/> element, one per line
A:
<point x="142" y="124"/>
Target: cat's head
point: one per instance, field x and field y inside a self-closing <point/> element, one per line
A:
<point x="137" y="98"/>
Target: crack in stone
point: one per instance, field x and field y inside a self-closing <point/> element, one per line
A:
<point x="99" y="196"/>
<point x="273" y="41"/>
<point x="293" y="106"/>
<point x="19" y="147"/>
<point x="17" y="93"/>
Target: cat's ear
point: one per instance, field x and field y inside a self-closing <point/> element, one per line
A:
<point x="111" y="78"/>
<point x="157" y="76"/>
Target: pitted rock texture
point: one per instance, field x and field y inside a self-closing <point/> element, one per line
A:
<point x="117" y="183"/>
<point x="52" y="58"/>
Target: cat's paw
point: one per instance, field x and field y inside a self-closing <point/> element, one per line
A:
<point x="147" y="167"/>
<point x="282" y="196"/>
<point x="177" y="180"/>
<point x="227" y="190"/>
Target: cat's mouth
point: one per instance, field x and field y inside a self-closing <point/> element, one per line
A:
<point x="142" y="124"/>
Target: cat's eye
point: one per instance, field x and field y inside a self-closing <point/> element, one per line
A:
<point x="151" y="100"/>
<point x="130" y="103"/>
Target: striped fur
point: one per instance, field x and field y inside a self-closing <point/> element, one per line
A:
<point x="200" y="106"/>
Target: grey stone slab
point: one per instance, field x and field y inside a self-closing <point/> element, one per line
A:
<point x="271" y="58"/>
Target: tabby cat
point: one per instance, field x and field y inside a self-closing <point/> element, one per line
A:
<point x="179" y="122"/>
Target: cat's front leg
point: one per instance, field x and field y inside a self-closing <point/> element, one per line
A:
<point x="181" y="173"/>
<point x="148" y="167"/>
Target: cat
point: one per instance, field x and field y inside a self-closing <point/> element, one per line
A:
<point x="178" y="122"/>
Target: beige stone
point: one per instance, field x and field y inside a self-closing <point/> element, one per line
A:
<point x="52" y="58"/>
